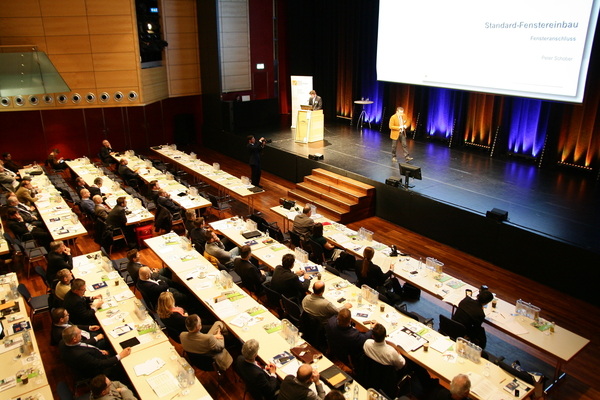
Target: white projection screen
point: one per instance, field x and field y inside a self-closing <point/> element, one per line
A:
<point x="528" y="48"/>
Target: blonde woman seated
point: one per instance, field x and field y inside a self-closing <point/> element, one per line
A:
<point x="172" y="316"/>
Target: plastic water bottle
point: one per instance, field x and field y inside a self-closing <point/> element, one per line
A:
<point x="355" y="396"/>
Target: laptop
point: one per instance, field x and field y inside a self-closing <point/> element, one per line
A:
<point x="251" y="234"/>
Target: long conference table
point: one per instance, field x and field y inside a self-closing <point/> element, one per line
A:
<point x="223" y="181"/>
<point x="200" y="276"/>
<point x="123" y="318"/>
<point x="83" y="168"/>
<point x="179" y="193"/>
<point x="488" y="379"/>
<point x="60" y="220"/>
<point x="562" y="345"/>
<point x="14" y="362"/>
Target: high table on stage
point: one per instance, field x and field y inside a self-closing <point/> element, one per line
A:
<point x="310" y="126"/>
<point x="363" y="114"/>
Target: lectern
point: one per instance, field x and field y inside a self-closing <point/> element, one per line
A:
<point x="309" y="126"/>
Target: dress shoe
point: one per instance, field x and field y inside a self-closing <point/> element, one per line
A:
<point x="409" y="159"/>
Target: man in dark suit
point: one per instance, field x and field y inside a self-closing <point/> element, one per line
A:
<point x="134" y="265"/>
<point x="100" y="210"/>
<point x="252" y="277"/>
<point x="29" y="215"/>
<point x="255" y="149"/>
<point x="89" y="360"/>
<point x="164" y="200"/>
<point x="152" y="288"/>
<point x="288" y="283"/>
<point x="261" y="383"/>
<point x="127" y="173"/>
<point x="298" y="387"/>
<point x="20" y="228"/>
<point x="117" y="217"/>
<point x="90" y="334"/>
<point x="105" y="153"/>
<point x="58" y="258"/>
<point x="315" y="101"/>
<point x="96" y="188"/>
<point x="345" y="341"/>
<point x="82" y="309"/>
<point x="470" y="314"/>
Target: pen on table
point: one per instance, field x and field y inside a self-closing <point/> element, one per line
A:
<point x="502" y="381"/>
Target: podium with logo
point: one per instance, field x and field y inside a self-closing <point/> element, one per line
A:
<point x="309" y="126"/>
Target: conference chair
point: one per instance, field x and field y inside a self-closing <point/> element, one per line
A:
<point x="414" y="315"/>
<point x="451" y="328"/>
<point x="295" y="239"/>
<point x="273" y="299"/>
<point x="292" y="311"/>
<point x="219" y="204"/>
<point x="37" y="304"/>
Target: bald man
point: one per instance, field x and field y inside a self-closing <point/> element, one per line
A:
<point x="298" y="387"/>
<point x="318" y="306"/>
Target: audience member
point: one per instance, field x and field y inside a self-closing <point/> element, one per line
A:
<point x="96" y="188"/>
<point x="88" y="360"/>
<point x="318" y="306"/>
<point x="216" y="248"/>
<point x="127" y="173"/>
<point x="371" y="275"/>
<point x="164" y="200"/>
<point x="87" y="204"/>
<point x="103" y="388"/>
<point x="90" y="334"/>
<point x="28" y="215"/>
<point x="79" y="184"/>
<point x="10" y="164"/>
<point x="345" y="341"/>
<point x="152" y="288"/>
<point x="379" y="351"/>
<point x="100" y="210"/>
<point x="58" y="258"/>
<point x="105" y="154"/>
<point x="154" y="190"/>
<point x="260" y="381"/>
<point x="172" y="316"/>
<point x="24" y="193"/>
<point x="252" y="277"/>
<point x="55" y="162"/>
<point x="303" y="223"/>
<point x="334" y="395"/>
<point x="81" y="308"/>
<point x="198" y="235"/>
<point x="64" y="278"/>
<point x="460" y="386"/>
<point x="298" y="387"/>
<point x="470" y="314"/>
<point x="288" y="283"/>
<point x="211" y="343"/>
<point x="317" y="236"/>
<point x="134" y="265"/>
<point x="7" y="180"/>
<point x="20" y="229"/>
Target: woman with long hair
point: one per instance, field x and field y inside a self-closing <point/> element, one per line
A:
<point x="371" y="275"/>
<point x="172" y="316"/>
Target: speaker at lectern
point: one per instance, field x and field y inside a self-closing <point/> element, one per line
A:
<point x="309" y="125"/>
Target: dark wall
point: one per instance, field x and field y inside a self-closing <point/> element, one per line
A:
<point x="30" y="135"/>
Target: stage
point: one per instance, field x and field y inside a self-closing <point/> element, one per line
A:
<point x="553" y="222"/>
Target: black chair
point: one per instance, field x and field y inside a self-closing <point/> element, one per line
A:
<point x="295" y="239"/>
<point x="416" y="316"/>
<point x="275" y="232"/>
<point x="292" y="311"/>
<point x="313" y="331"/>
<point x="42" y="273"/>
<point x="202" y="362"/>
<point x="219" y="203"/>
<point x="273" y="298"/>
<point x="37" y="304"/>
<point x="32" y="251"/>
<point x="163" y="221"/>
<point x="261" y="223"/>
<point x="64" y="392"/>
<point x="378" y="376"/>
<point x="451" y="328"/>
<point x="316" y="253"/>
<point x="332" y="270"/>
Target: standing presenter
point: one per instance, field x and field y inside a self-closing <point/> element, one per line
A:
<point x="255" y="149"/>
<point x="398" y="131"/>
<point x="315" y="101"/>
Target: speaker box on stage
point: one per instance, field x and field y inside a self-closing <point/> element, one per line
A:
<point x="497" y="214"/>
<point x="393" y="181"/>
<point x="315" y="156"/>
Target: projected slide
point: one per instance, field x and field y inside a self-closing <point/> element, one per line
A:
<point x="530" y="48"/>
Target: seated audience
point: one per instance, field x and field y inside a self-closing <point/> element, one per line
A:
<point x="127" y="173"/>
<point x="29" y="216"/>
<point x="58" y="258"/>
<point x="21" y="229"/>
<point x="154" y="190"/>
<point x="379" y="351"/>
<point x="303" y="223"/>
<point x="24" y="193"/>
<point x="172" y="316"/>
<point x="252" y="277"/>
<point x="318" y="306"/>
<point x="105" y="154"/>
<point x="211" y="343"/>
<point x="216" y="248"/>
<point x="317" y="236"/>
<point x="460" y="386"/>
<point x="7" y="179"/>
<point x="337" y="395"/>
<point x="164" y="200"/>
<point x="90" y="334"/>
<point x="81" y="308"/>
<point x="100" y="209"/>
<point x="470" y="314"/>
<point x="64" y="278"/>
<point x="288" y="283"/>
<point x="55" y="162"/>
<point x="298" y="387"/>
<point x="260" y="381"/>
<point x="10" y="164"/>
<point x="88" y="360"/>
<point x="103" y="388"/>
<point x="87" y="204"/>
<point x="198" y="235"/>
<point x="134" y="265"/>
<point x="152" y="288"/>
<point x="96" y="188"/>
<point x="345" y="341"/>
<point x="371" y="275"/>
<point x="79" y="184"/>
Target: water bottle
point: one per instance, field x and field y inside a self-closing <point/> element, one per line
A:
<point x="359" y="299"/>
<point x="355" y="396"/>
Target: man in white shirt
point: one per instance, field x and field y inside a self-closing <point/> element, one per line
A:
<point x="379" y="351"/>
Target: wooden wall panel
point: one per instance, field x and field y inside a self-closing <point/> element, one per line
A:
<point x="38" y="41"/>
<point x="72" y="62"/>
<point x="68" y="44"/>
<point x="62" y="8"/>
<point x="183" y="41"/>
<point x="114" y="62"/>
<point x="21" y="8"/>
<point x="184" y="87"/>
<point x="107" y="24"/>
<point x="112" y="43"/>
<point x="109" y="7"/>
<point x="116" y="78"/>
<point x="80" y="79"/>
<point x="182" y="56"/>
<point x="21" y="26"/>
<point x="178" y="8"/>
<point x="65" y="26"/>
<point x="180" y="24"/>
<point x="188" y="71"/>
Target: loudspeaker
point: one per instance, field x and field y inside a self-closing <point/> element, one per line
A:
<point x="316" y="156"/>
<point x="393" y="181"/>
<point x="497" y="214"/>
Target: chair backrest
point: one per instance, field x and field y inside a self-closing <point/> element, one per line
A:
<point x="42" y="273"/>
<point x="451" y="328"/>
<point x="200" y="361"/>
<point x="273" y="297"/>
<point x="64" y="391"/>
<point x="275" y="232"/>
<point x="332" y="270"/>
<point x="416" y="316"/>
<point x="22" y="289"/>
<point x="292" y="310"/>
<point x="316" y="252"/>
<point x="295" y="238"/>
<point x="378" y="376"/>
<point x="149" y="305"/>
<point x="313" y="331"/>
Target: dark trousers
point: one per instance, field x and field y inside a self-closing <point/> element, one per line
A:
<point x="255" y="174"/>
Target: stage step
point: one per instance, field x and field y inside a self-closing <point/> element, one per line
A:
<point x="344" y="198"/>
